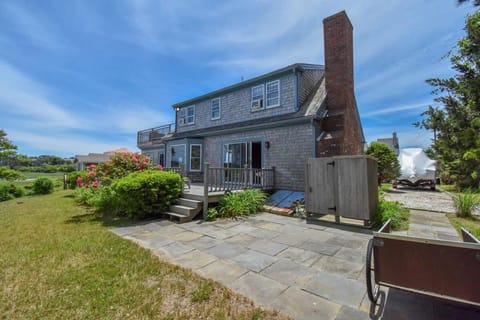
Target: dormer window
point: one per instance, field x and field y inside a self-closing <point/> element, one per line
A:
<point x="273" y="94"/>
<point x="186" y="116"/>
<point x="257" y="98"/>
<point x="215" y="109"/>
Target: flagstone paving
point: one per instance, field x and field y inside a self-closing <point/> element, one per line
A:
<point x="305" y="271"/>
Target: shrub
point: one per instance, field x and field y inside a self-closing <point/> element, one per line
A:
<point x="144" y="193"/>
<point x="5" y="192"/>
<point x="73" y="176"/>
<point x="9" y="174"/>
<point x="242" y="203"/>
<point x="82" y="195"/>
<point x="122" y="164"/>
<point x="18" y="191"/>
<point x="43" y="185"/>
<point x="9" y="191"/>
<point x="394" y="211"/>
<point x="104" y="200"/>
<point x="465" y="203"/>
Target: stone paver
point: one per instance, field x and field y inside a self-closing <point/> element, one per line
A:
<point x="259" y="288"/>
<point x="306" y="258"/>
<point x="268" y="247"/>
<point x="348" y="269"/>
<point x="223" y="271"/>
<point x="336" y="288"/>
<point x="194" y="259"/>
<point x="226" y="250"/>
<point x="289" y="272"/>
<point x="303" y="270"/>
<point x="253" y="260"/>
<point x="302" y="305"/>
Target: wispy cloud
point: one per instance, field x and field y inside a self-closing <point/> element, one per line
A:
<point x="31" y="26"/>
<point x="396" y="109"/>
<point x="28" y="100"/>
<point x="71" y="144"/>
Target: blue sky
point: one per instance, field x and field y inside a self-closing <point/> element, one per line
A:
<point x="84" y="76"/>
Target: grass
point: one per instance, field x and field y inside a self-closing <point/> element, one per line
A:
<point x="472" y="224"/>
<point x="60" y="262"/>
<point x="394" y="211"/>
<point x="34" y="175"/>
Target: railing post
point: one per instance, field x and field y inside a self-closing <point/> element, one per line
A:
<point x="245" y="176"/>
<point x="206" y="168"/>
<point x="273" y="177"/>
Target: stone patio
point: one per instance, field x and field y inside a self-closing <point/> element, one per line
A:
<point x="305" y="271"/>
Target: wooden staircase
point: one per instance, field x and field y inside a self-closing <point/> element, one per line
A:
<point x="186" y="208"/>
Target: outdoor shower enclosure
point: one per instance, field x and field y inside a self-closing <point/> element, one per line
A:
<point x="343" y="186"/>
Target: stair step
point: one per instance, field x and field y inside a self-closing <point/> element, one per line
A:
<point x="189" y="202"/>
<point x="182" y="209"/>
<point x="176" y="214"/>
<point x="190" y="196"/>
<point x="179" y="216"/>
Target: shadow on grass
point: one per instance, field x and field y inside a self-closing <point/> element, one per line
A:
<point x="110" y="220"/>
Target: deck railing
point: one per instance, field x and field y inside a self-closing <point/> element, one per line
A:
<point x="223" y="179"/>
<point x="154" y="134"/>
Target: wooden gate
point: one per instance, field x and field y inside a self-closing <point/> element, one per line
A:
<point x="344" y="186"/>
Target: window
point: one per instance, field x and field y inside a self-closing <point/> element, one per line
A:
<point x="257" y="97"/>
<point x="195" y="157"/>
<point x="215" y="109"/>
<point x="186" y="115"/>
<point x="273" y="94"/>
<point x="177" y="155"/>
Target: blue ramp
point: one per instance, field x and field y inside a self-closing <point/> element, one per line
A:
<point x="285" y="198"/>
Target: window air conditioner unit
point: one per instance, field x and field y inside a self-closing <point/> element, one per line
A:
<point x="257" y="104"/>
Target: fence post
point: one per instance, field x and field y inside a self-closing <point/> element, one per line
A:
<point x="206" y="168"/>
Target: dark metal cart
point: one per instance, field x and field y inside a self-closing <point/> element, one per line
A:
<point x="439" y="268"/>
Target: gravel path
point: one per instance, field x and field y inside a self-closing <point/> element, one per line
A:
<point x="422" y="199"/>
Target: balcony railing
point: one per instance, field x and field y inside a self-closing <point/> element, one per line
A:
<point x="150" y="136"/>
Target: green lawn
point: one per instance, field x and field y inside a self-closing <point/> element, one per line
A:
<point x="33" y="175"/>
<point x="472" y="224"/>
<point x="59" y="262"/>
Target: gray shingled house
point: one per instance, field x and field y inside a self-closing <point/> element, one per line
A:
<point x="278" y="119"/>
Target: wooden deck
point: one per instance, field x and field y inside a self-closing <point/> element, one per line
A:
<point x="195" y="192"/>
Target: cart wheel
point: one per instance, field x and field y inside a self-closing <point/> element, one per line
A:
<point x="373" y="289"/>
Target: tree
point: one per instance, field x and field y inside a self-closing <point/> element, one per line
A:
<point x="387" y="161"/>
<point x="7" y="148"/>
<point x="456" y="123"/>
<point x="476" y="3"/>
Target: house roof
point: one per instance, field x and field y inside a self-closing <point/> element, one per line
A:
<point x="310" y="109"/>
<point x="296" y="67"/>
<point x="93" y="158"/>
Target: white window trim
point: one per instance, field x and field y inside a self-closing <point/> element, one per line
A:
<point x="219" y="109"/>
<point x="170" y="152"/>
<point x="190" y="164"/>
<point x="266" y="92"/>
<point x="263" y="98"/>
<point x="186" y="116"/>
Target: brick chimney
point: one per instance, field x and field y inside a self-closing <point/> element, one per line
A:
<point x="342" y="132"/>
<point x="337" y="32"/>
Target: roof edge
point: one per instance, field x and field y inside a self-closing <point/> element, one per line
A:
<point x="293" y="68"/>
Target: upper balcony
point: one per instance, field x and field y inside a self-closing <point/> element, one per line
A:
<point x="154" y="135"/>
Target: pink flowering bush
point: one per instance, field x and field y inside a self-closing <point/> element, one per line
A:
<point x="128" y="184"/>
<point x="122" y="164"/>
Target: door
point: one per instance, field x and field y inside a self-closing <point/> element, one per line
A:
<point x="320" y="180"/>
<point x="239" y="155"/>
